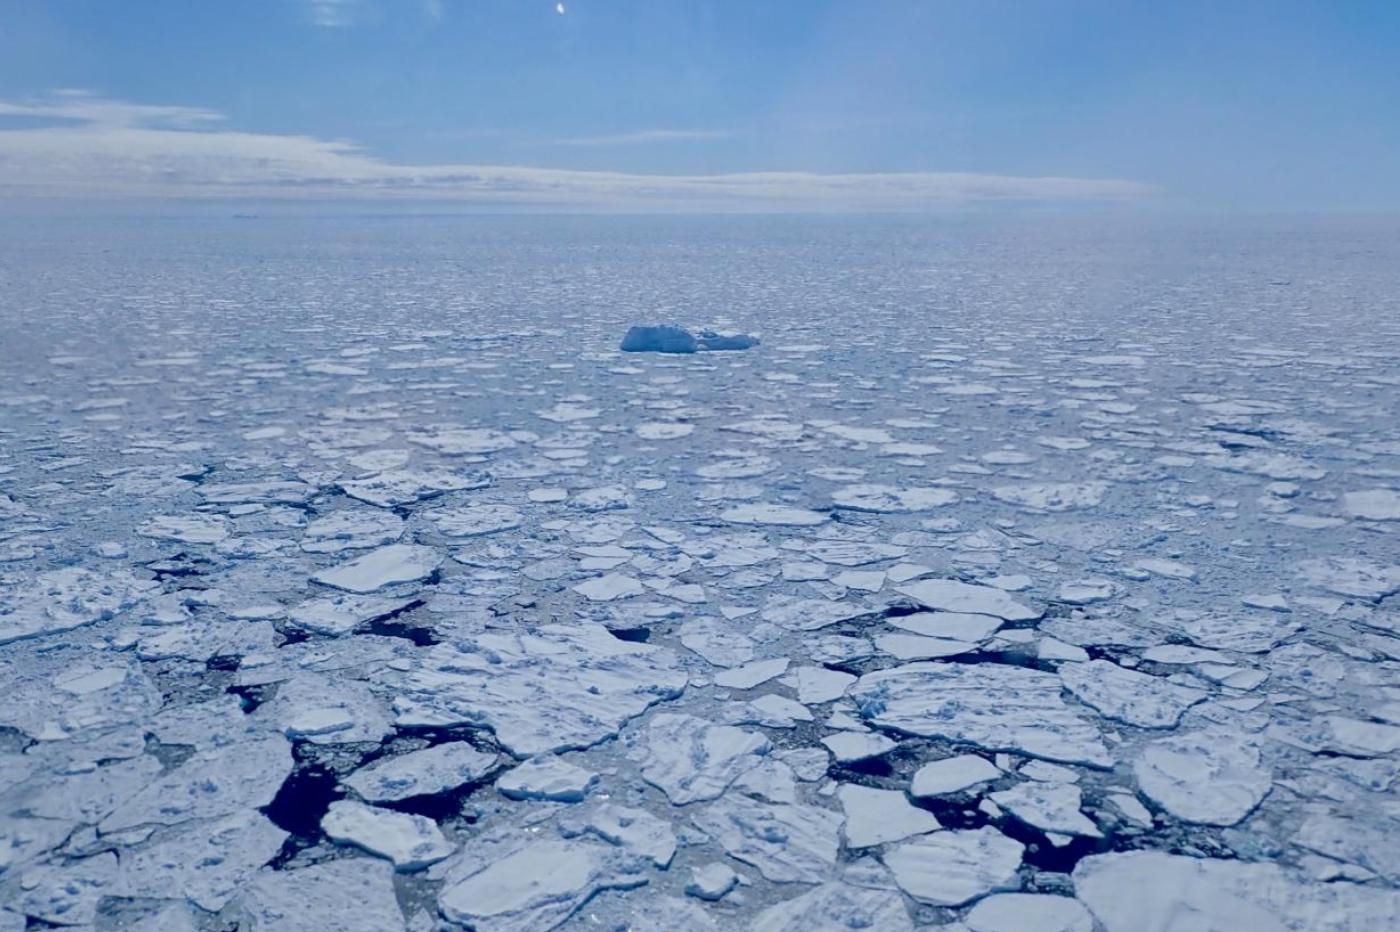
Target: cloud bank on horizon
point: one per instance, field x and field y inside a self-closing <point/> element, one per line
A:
<point x="89" y="146"/>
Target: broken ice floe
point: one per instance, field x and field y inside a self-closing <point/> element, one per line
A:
<point x="1214" y="778"/>
<point x="539" y="885"/>
<point x="563" y="687"/>
<point x="950" y="868"/>
<point x="379" y="569"/>
<point x="994" y="707"/>
<point x="1142" y="889"/>
<point x="427" y="772"/>
<point x="785" y="842"/>
<point x="375" y="623"/>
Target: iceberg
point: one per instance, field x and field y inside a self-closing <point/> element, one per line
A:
<point x="671" y="338"/>
<point x="659" y="338"/>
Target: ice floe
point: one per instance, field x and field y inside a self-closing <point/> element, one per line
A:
<point x="837" y="906"/>
<point x="563" y="686"/>
<point x="1215" y="778"/>
<point x="950" y="868"/>
<point x="379" y="569"/>
<point x="538" y="886"/>
<point x="1150" y="891"/>
<point x="952" y="775"/>
<point x="690" y="759"/>
<point x="410" y="841"/>
<point x="951" y="595"/>
<point x="786" y="843"/>
<point x="1000" y="708"/>
<point x="426" y="772"/>
<point x="875" y="817"/>
<point x="1127" y="695"/>
<point x="1029" y="912"/>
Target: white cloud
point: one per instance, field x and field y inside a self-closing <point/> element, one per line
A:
<point x="643" y="137"/>
<point x="113" y="148"/>
<point x="334" y="13"/>
<point x="81" y="106"/>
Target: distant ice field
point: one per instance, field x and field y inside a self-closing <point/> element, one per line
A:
<point x="1034" y="572"/>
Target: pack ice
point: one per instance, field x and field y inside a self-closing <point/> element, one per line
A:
<point x="1038" y="577"/>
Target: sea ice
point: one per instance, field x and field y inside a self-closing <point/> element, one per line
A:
<point x="538" y="886"/>
<point x="635" y="830"/>
<point x="950" y="868"/>
<point x="63" y="599"/>
<point x="851" y="746"/>
<point x="952" y="775"/>
<point x="547" y="777"/>
<point x="421" y="773"/>
<point x="999" y="708"/>
<point x="1128" y="696"/>
<point x="1050" y="807"/>
<point x="186" y="529"/>
<point x="1052" y="497"/>
<point x="884" y="499"/>
<point x="799" y="614"/>
<point x="692" y="760"/>
<point x="787" y="843"/>
<point x="1210" y="777"/>
<point x="411" y="842"/>
<point x="427" y="550"/>
<point x="875" y="817"/>
<point x="351" y="529"/>
<point x="954" y="626"/>
<point x="205" y="861"/>
<point x="341" y="614"/>
<point x="398" y="487"/>
<point x="210" y="784"/>
<point x="1029" y="912"/>
<point x="315" y="898"/>
<point x="1352" y="576"/>
<point x="609" y="587"/>
<point x="837" y="906"/>
<point x="950" y="595"/>
<point x="461" y="441"/>
<point x="1151" y="891"/>
<point x="780" y="515"/>
<point x="1372" y="504"/>
<point x="378" y="569"/>
<point x="558" y="687"/>
<point x="711" y="881"/>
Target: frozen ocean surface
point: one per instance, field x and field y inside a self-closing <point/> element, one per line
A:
<point x="1032" y="573"/>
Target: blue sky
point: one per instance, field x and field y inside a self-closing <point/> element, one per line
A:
<point x="1232" y="104"/>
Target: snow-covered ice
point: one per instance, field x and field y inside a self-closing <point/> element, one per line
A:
<point x="557" y="688"/>
<point x="547" y="777"/>
<point x="538" y="886"/>
<point x="950" y="868"/>
<point x="410" y="841"/>
<point x="874" y="817"/>
<point x="785" y="842"/>
<point x="391" y="594"/>
<point x="952" y="774"/>
<point x="999" y="708"/>
<point x="690" y="759"/>
<point x="379" y="569"/>
<point x="1213" y="777"/>
<point x="951" y="595"/>
<point x="421" y="773"/>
